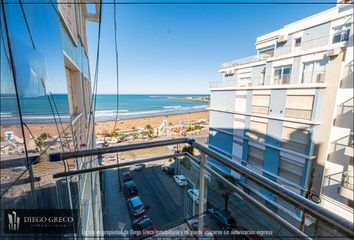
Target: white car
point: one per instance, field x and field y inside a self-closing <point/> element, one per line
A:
<point x="194" y="195"/>
<point x="180" y="180"/>
<point x="137" y="167"/>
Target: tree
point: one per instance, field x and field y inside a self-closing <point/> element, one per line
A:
<point x="224" y="189"/>
<point x="105" y="134"/>
<point x="149" y="129"/>
<point x="188" y="149"/>
<point x="40" y="143"/>
<point x="44" y="136"/>
<point x="185" y="162"/>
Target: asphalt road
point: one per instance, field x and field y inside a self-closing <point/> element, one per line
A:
<point x="168" y="203"/>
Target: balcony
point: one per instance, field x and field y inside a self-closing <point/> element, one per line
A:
<point x="298" y="113"/>
<point x="260" y="109"/>
<point x="78" y="127"/>
<point x="311" y="79"/>
<point x="347" y="185"/>
<point x="240" y="61"/>
<point x="170" y="205"/>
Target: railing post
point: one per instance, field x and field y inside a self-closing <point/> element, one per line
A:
<point x="201" y="206"/>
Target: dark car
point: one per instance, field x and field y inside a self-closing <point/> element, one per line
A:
<point x="168" y="170"/>
<point x="136" y="206"/>
<point x="130" y="189"/>
<point x="126" y="177"/>
<point x="145" y="226"/>
<point x="223" y="218"/>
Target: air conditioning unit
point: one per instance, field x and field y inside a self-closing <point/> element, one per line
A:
<point x="333" y="52"/>
<point x="282" y="38"/>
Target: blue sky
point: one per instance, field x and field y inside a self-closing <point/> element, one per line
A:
<point x="178" y="49"/>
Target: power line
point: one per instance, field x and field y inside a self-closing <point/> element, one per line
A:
<point x="94" y="93"/>
<point x="117" y="64"/>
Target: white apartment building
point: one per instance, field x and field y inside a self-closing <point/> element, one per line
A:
<point x="45" y="65"/>
<point x="287" y="112"/>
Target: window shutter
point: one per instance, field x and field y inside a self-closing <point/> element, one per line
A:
<point x="258" y="130"/>
<point x="255" y="157"/>
<point x="295" y="139"/>
<point x="69" y="81"/>
<point x="261" y="100"/>
<point x="299" y="102"/>
<point x="290" y="170"/>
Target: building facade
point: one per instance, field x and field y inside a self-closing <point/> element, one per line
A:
<point x="45" y="79"/>
<point x="287" y="112"/>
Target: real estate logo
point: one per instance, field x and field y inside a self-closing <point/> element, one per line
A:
<point x="40" y="220"/>
<point x="14" y="221"/>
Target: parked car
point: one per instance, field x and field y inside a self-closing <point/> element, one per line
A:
<point x="223" y="218"/>
<point x="137" y="167"/>
<point x="194" y="195"/>
<point x="130" y="189"/>
<point x="168" y="170"/>
<point x="207" y="232"/>
<point x="145" y="226"/>
<point x="180" y="180"/>
<point x="126" y="177"/>
<point x="136" y="206"/>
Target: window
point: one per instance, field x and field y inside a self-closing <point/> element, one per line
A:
<point x="266" y="52"/>
<point x="282" y="75"/>
<point x="258" y="131"/>
<point x="260" y="104"/>
<point x="295" y="139"/>
<point x="280" y="44"/>
<point x="290" y="170"/>
<point x="299" y="106"/>
<point x="255" y="157"/>
<point x="313" y="72"/>
<point x="229" y="75"/>
<point x="244" y="82"/>
<point x="341" y="34"/>
<point x="298" y="42"/>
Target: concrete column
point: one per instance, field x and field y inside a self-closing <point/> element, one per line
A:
<point x="201" y="205"/>
<point x="327" y="114"/>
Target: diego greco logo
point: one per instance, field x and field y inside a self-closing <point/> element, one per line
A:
<point x="14" y="221"/>
<point x="40" y="220"/>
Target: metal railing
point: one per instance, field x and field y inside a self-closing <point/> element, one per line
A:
<point x="347" y="181"/>
<point x="305" y="79"/>
<point x="78" y="125"/>
<point x="260" y="109"/>
<point x="298" y="113"/>
<point x="221" y="84"/>
<point x="240" y="61"/>
<point x="280" y="191"/>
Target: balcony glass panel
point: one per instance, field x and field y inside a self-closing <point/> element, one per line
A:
<point x="169" y="183"/>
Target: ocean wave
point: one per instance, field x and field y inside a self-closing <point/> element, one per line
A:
<point x="44" y="117"/>
<point x="173" y="107"/>
<point x="105" y="115"/>
<point x="112" y="111"/>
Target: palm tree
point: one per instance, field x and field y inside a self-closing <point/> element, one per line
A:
<point x="224" y="189"/>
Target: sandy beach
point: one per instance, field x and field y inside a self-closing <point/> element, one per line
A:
<point x="154" y="121"/>
<point x="127" y="124"/>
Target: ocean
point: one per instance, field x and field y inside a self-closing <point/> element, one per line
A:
<point x="130" y="106"/>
